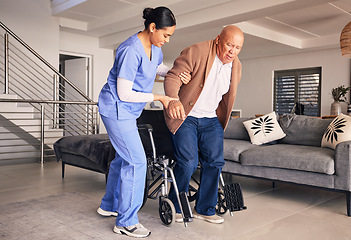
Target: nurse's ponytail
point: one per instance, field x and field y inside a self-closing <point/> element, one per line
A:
<point x="161" y="16"/>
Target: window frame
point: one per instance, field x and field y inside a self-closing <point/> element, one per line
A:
<point x="297" y="73"/>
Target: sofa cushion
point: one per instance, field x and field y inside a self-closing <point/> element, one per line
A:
<point x="236" y="129"/>
<point x="264" y="129"/>
<point x="339" y="130"/>
<point x="233" y="148"/>
<point x="304" y="158"/>
<point x="90" y="150"/>
<point x="303" y="130"/>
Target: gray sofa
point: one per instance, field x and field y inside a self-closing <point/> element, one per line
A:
<point x="296" y="158"/>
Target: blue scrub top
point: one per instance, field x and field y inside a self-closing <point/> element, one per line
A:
<point x="131" y="63"/>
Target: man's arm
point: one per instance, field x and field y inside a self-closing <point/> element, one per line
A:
<point x="183" y="64"/>
<point x="173" y="82"/>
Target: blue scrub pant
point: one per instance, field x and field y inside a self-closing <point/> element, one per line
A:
<point x="204" y="137"/>
<point x="126" y="177"/>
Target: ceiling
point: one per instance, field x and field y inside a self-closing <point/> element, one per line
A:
<point x="271" y="27"/>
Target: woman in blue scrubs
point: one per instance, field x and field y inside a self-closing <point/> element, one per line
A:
<point x="121" y="101"/>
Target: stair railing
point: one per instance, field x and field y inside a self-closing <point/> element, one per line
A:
<point x="26" y="74"/>
<point x="8" y="31"/>
<point x="41" y="146"/>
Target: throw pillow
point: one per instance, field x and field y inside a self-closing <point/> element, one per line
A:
<point x="264" y="129"/>
<point x="339" y="130"/>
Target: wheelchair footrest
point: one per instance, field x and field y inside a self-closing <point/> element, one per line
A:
<point x="188" y="214"/>
<point x="234" y="197"/>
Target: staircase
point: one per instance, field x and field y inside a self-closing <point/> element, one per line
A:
<point x="38" y="105"/>
<point x="20" y="126"/>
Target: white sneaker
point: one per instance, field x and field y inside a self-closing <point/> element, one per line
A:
<point x="212" y="219"/>
<point x="178" y="218"/>
<point x="137" y="230"/>
<point x="104" y="213"/>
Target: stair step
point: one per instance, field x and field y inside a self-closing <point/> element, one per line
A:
<point x="8" y="96"/>
<point x="10" y="107"/>
<point x="20" y="124"/>
<point x="17" y="104"/>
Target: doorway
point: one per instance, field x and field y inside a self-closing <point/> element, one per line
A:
<point x="77" y="69"/>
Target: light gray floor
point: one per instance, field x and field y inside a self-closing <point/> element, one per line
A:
<point x="286" y="212"/>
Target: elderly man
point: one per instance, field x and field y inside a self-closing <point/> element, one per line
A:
<point x="198" y="118"/>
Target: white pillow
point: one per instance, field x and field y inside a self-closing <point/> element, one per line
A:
<point x="339" y="130"/>
<point x="264" y="129"/>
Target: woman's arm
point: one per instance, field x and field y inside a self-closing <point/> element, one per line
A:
<point x="126" y="93"/>
<point x="162" y="70"/>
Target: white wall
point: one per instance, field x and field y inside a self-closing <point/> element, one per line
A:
<point x="33" y="23"/>
<point x="102" y="59"/>
<point x="255" y="92"/>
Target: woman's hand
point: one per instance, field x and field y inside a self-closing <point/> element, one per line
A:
<point x="185" y="77"/>
<point x="165" y="100"/>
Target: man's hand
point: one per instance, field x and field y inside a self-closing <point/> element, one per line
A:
<point x="176" y="110"/>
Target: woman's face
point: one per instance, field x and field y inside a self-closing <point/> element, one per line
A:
<point x="161" y="36"/>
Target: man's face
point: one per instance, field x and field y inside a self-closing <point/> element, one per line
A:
<point x="228" y="46"/>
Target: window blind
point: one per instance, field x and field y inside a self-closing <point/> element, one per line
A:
<point x="302" y="86"/>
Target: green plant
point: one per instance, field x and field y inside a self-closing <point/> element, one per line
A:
<point x="339" y="93"/>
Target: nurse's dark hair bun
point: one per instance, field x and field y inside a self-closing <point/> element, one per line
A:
<point x="147" y="13"/>
<point x="161" y="16"/>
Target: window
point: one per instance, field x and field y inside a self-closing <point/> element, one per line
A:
<point x="300" y="87"/>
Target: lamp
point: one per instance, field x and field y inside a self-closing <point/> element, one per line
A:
<point x="345" y="41"/>
<point x="345" y="45"/>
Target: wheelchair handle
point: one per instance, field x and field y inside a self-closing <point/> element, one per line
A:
<point x="145" y="126"/>
<point x="149" y="128"/>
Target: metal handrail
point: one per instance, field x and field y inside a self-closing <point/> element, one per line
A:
<point x="46" y="101"/>
<point x="44" y="61"/>
<point x="44" y="148"/>
<point x="64" y="113"/>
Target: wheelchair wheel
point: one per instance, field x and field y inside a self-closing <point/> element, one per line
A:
<point x="167" y="211"/>
<point x="221" y="207"/>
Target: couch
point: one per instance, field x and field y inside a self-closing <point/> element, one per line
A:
<point x="296" y="158"/>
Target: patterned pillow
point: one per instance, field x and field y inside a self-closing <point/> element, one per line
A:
<point x="264" y="129"/>
<point x="339" y="130"/>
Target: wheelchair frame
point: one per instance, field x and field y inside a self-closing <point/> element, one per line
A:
<point x="162" y="166"/>
<point x="229" y="196"/>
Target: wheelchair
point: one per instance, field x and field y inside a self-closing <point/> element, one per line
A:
<point x="160" y="174"/>
<point x="159" y="171"/>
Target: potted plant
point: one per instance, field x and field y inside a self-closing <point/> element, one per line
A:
<point x="339" y="95"/>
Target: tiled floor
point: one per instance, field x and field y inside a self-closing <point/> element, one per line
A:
<point x="286" y="212"/>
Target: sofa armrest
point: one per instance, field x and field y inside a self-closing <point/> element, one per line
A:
<point x="343" y="166"/>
